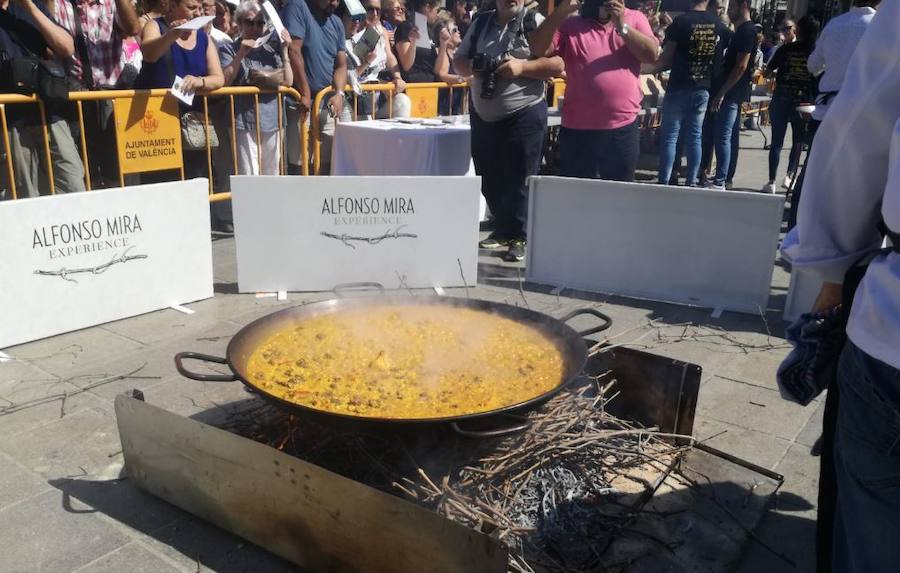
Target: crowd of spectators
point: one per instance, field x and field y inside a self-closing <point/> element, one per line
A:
<point x="707" y="59"/>
<point x="117" y="44"/>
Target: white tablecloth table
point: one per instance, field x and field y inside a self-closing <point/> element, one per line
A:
<point x="390" y="148"/>
<point x="379" y="147"/>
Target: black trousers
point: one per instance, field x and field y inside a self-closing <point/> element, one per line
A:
<point x="811" y="129"/>
<point x="610" y="154"/>
<point x="100" y="138"/>
<point x="506" y="153"/>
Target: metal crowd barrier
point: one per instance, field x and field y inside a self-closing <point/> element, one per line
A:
<point x="417" y="92"/>
<point x="80" y="97"/>
<point x="431" y="90"/>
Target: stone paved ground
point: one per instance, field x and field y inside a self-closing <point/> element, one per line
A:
<point x="62" y="507"/>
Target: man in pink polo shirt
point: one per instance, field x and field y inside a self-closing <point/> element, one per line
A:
<point x="603" y="49"/>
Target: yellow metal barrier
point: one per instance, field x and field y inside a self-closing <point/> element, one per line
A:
<point x="428" y="88"/>
<point x="559" y="90"/>
<point x="78" y="98"/>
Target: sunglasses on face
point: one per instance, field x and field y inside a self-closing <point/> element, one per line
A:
<point x="373" y="9"/>
<point x="256" y="22"/>
<point x="453" y="30"/>
<point x="399" y="9"/>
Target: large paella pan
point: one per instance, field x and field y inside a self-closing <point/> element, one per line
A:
<point x="401" y="359"/>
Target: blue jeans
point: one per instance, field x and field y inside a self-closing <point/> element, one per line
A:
<point x="783" y="111"/>
<point x="867" y="465"/>
<point x="722" y="137"/>
<point x="682" y="109"/>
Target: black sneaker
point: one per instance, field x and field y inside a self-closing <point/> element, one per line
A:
<point x="516" y="251"/>
<point x="493" y="242"/>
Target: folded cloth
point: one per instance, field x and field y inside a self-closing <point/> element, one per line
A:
<point x="811" y="367"/>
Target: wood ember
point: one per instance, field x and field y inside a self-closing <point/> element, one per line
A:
<point x="568" y="494"/>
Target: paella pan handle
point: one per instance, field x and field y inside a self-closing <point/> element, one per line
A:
<point x="339" y="290"/>
<point x="181" y="356"/>
<point x="607" y="321"/>
<point x="523" y="424"/>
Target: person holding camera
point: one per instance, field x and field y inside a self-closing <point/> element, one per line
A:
<point x="508" y="114"/>
<point x="603" y="50"/>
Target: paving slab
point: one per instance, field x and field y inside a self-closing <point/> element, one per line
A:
<point x="156" y="363"/>
<point x="44" y="535"/>
<point x="63" y="354"/>
<point x="17" y="370"/>
<point x="161" y="325"/>
<point x="26" y="405"/>
<point x="133" y="558"/>
<point x="813" y="428"/>
<point x="195" y="545"/>
<point x="17" y="483"/>
<point x="21" y="382"/>
<point x="120" y="502"/>
<point x="78" y="444"/>
<point x="752" y="407"/>
<point x="761" y="449"/>
<point x="792" y="518"/>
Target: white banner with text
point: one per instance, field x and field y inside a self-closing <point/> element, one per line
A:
<point x="78" y="260"/>
<point x="313" y="233"/>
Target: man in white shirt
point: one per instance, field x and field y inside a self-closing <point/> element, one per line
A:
<point x="834" y="49"/>
<point x="852" y="187"/>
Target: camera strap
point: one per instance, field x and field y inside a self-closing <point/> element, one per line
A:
<point x="81" y="48"/>
<point x="526" y="23"/>
<point x="478" y="27"/>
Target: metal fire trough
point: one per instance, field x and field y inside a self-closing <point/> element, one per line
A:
<point x="321" y="521"/>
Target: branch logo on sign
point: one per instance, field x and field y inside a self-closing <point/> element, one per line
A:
<point x="74" y="240"/>
<point x="368" y="211"/>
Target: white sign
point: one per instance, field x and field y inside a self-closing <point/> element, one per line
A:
<point x="74" y="261"/>
<point x="692" y="246"/>
<point x="312" y="233"/>
<point x="274" y="17"/>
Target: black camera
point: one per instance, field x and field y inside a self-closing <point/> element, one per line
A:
<point x="486" y="66"/>
<point x="594" y="10"/>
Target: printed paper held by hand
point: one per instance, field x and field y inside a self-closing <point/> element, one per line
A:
<point x="262" y="40"/>
<point x="176" y="91"/>
<point x="196" y="23"/>
<point x="423" y="41"/>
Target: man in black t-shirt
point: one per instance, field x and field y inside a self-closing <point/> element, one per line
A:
<point x="794" y="85"/>
<point x="690" y="51"/>
<point x="416" y="61"/>
<point x="735" y="89"/>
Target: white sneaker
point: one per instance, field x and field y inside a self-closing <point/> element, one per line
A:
<point x="788" y="179"/>
<point x="769" y="187"/>
<point x="713" y="186"/>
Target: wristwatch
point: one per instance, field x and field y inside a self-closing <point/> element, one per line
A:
<point x="623" y="31"/>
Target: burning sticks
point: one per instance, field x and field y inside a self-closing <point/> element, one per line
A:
<point x="568" y="494"/>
